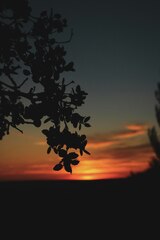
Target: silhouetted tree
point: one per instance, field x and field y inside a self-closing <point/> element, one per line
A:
<point x="33" y="84"/>
<point x="153" y="136"/>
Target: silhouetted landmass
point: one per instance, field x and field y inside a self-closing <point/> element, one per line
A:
<point x="138" y="185"/>
<point x="82" y="208"/>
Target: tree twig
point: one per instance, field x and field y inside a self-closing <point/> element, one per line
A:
<point x="13" y="82"/>
<point x="7" y="85"/>
<point x="25" y="80"/>
<point x="14" y="126"/>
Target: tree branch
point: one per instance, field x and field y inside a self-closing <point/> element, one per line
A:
<point x="28" y="96"/>
<point x="7" y="85"/>
<point x="25" y="80"/>
<point x="14" y="126"/>
<point x="13" y="82"/>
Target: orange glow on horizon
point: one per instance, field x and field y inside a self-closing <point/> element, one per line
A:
<point x="86" y="170"/>
<point x="110" y="158"/>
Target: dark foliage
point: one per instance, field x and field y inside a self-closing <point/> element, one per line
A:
<point x="153" y="136"/>
<point x="30" y="52"/>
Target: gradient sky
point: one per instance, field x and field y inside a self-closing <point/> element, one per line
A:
<point x="116" y="51"/>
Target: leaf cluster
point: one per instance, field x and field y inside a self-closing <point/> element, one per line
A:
<point x="29" y="51"/>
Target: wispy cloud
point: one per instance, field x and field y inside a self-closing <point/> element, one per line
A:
<point x="108" y="139"/>
<point x="100" y="144"/>
<point x="128" y="152"/>
<point x="131" y="131"/>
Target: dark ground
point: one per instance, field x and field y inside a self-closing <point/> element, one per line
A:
<point x="93" y="207"/>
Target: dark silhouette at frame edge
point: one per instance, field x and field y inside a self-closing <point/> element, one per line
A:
<point x="30" y="51"/>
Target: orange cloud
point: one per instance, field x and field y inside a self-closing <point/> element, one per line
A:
<point x="132" y="131"/>
<point x="109" y="163"/>
<point x="113" y="138"/>
<point x="100" y="144"/>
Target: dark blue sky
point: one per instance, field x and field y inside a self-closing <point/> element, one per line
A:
<point x="116" y="51"/>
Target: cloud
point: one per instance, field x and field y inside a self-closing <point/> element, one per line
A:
<point x="131" y="131"/>
<point x="100" y="144"/>
<point x="106" y="140"/>
<point x="129" y="152"/>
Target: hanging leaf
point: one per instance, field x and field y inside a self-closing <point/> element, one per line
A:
<point x="58" y="167"/>
<point x="49" y="150"/>
<point x="37" y="122"/>
<point x="78" y="89"/>
<point x="73" y="155"/>
<point x="55" y="150"/>
<point x="45" y="132"/>
<point x="69" y="67"/>
<point x="87" y="119"/>
<point x="86" y="152"/>
<point x="62" y="153"/>
<point x="47" y="120"/>
<point x="75" y="162"/>
<point x="83" y="137"/>
<point x="67" y="166"/>
<point x="26" y="72"/>
<point x="81" y="152"/>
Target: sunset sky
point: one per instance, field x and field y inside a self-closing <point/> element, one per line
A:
<point x="116" y="51"/>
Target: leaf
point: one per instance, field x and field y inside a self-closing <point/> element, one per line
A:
<point x="62" y="153"/>
<point x="37" y="123"/>
<point x="78" y="89"/>
<point x="45" y="132"/>
<point x="83" y="137"/>
<point x="81" y="152"/>
<point x="47" y="120"/>
<point x="86" y="152"/>
<point x="55" y="150"/>
<point x="75" y="162"/>
<point x="69" y="67"/>
<point x="49" y="150"/>
<point x="87" y="125"/>
<point x="26" y="72"/>
<point x="74" y="123"/>
<point x="87" y="119"/>
<point x="73" y="155"/>
<point x="67" y="166"/>
<point x="58" y="167"/>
